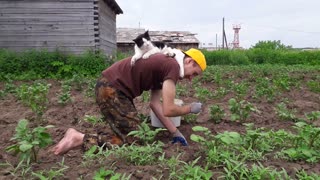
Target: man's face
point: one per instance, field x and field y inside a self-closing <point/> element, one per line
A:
<point x="191" y="69"/>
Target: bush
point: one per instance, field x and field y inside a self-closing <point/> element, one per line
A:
<point x="262" y="56"/>
<point x="35" y="64"/>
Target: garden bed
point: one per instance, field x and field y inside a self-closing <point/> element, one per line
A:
<point x="292" y="94"/>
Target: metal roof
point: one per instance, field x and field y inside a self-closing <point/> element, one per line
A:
<point x="126" y="35"/>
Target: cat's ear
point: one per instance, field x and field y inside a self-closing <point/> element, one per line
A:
<point x="134" y="40"/>
<point x="146" y="35"/>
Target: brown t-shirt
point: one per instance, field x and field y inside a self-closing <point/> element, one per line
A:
<point x="146" y="74"/>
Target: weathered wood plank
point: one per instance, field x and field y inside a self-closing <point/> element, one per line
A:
<point x="45" y="11"/>
<point x="63" y="5"/>
<point x="48" y="19"/>
<point x="46" y="33"/>
<point x="105" y="10"/>
<point x="46" y="16"/>
<point x="73" y="27"/>
<point x="107" y="28"/>
<point x="108" y="47"/>
<point x="74" y="50"/>
<point x="47" y="23"/>
<point x="57" y="23"/>
<point x="106" y="21"/>
<point x="61" y="43"/>
<point x="89" y="29"/>
<point x="107" y="42"/>
<point x="69" y="0"/>
<point x="45" y="38"/>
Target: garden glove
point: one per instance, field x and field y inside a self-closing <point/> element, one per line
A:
<point x="195" y="107"/>
<point x="178" y="137"/>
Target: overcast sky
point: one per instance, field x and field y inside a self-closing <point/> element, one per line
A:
<point x="293" y="22"/>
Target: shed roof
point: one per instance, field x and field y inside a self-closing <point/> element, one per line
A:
<point x="126" y="35"/>
<point x="114" y="6"/>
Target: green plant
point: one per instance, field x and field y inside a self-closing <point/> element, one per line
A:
<point x="10" y="87"/>
<point x="103" y="174"/>
<point x="181" y="90"/>
<point x="216" y="113"/>
<point x="29" y="141"/>
<point x="274" y="45"/>
<point x="21" y="170"/>
<point x="206" y="76"/>
<point x="314" y="86"/>
<point x="313" y="116"/>
<point x="284" y="113"/>
<point x="306" y="143"/>
<point x="283" y="82"/>
<point x="303" y="175"/>
<point x="202" y="93"/>
<point x="257" y="142"/>
<point x="34" y="96"/>
<point x="264" y="88"/>
<point x="219" y="147"/>
<point x="234" y="169"/>
<point x="220" y="92"/>
<point x="193" y="171"/>
<point x="218" y="77"/>
<point x="237" y="170"/>
<point x="172" y="164"/>
<point x="78" y="81"/>
<point x="2" y="94"/>
<point x="240" y="110"/>
<point x="190" y="118"/>
<point x="90" y="88"/>
<point x="65" y="94"/>
<point x="36" y="64"/>
<point x="145" y="96"/>
<point x="92" y="119"/>
<point x="140" y="155"/>
<point x="96" y="154"/>
<point x="53" y="173"/>
<point x="144" y="133"/>
<point x="240" y="89"/>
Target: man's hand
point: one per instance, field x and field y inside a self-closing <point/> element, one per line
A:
<point x="195" y="107"/>
<point x="178" y="137"/>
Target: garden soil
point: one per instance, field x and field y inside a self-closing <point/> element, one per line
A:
<point x="72" y="115"/>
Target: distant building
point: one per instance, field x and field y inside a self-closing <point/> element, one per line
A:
<point x="307" y="49"/>
<point x="208" y="46"/>
<point x="68" y="25"/>
<point x="177" y="39"/>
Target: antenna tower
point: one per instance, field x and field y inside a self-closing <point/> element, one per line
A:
<point x="236" y="41"/>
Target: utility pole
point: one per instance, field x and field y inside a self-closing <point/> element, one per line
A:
<point x="223" y="33"/>
<point x="216" y="41"/>
<point x="224" y="37"/>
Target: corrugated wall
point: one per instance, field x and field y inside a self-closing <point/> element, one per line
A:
<point x="51" y="24"/>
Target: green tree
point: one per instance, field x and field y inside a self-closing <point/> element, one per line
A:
<point x="271" y="45"/>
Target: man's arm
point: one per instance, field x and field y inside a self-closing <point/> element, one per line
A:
<point x="168" y="95"/>
<point x="156" y="107"/>
<point x="168" y="108"/>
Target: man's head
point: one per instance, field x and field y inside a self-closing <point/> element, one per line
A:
<point x="198" y="57"/>
<point x="194" y="63"/>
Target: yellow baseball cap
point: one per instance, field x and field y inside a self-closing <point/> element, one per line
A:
<point x="198" y="56"/>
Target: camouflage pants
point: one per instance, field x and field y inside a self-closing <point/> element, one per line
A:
<point x="118" y="111"/>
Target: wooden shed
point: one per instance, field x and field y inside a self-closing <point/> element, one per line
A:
<point x="72" y="26"/>
<point x="178" y="39"/>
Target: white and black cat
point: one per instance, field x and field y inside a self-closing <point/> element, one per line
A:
<point x="144" y="48"/>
